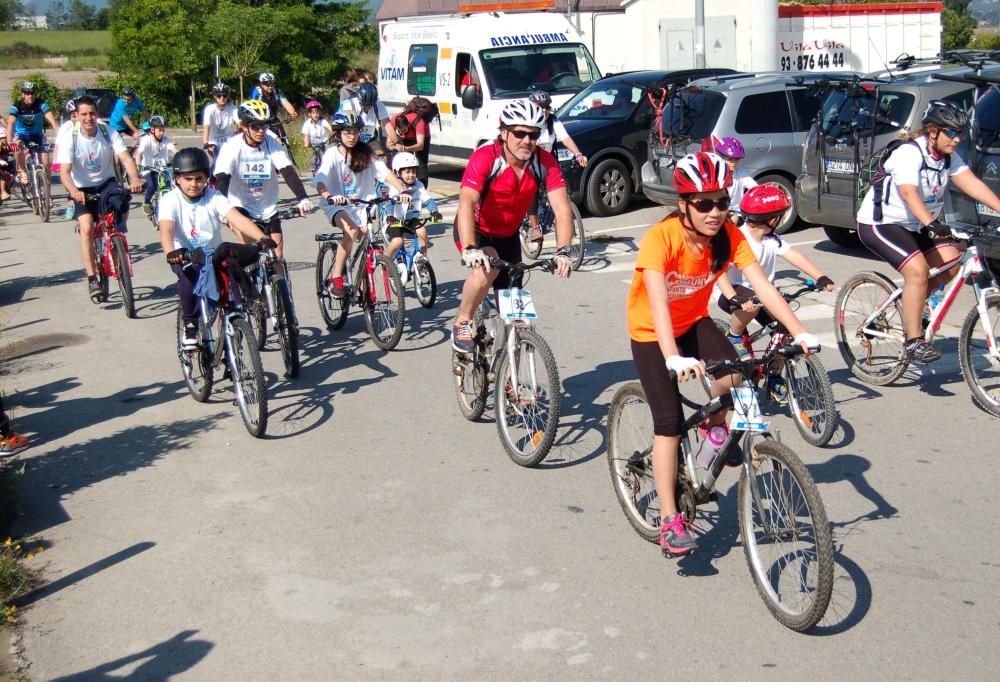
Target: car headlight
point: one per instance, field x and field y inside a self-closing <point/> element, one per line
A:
<point x="563" y="154"/>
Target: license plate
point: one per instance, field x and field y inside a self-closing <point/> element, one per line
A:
<point x="665" y="162"/>
<point x="516" y="304"/>
<point x="983" y="209"/>
<point x="746" y="411"/>
<point x="840" y="166"/>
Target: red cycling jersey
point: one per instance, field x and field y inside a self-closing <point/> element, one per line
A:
<point x="507" y="202"/>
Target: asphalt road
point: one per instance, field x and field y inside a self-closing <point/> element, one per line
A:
<point x="376" y="534"/>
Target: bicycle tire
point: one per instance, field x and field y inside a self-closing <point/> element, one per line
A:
<point x="873" y="360"/>
<point x="44" y="210"/>
<point x="973" y="357"/>
<point x="425" y="283"/>
<point x="120" y="254"/>
<point x="257" y="316"/>
<point x="333" y="310"/>
<point x="101" y="270"/>
<point x="384" y="307"/>
<point x="527" y="426"/>
<point x="578" y="243"/>
<point x="36" y="203"/>
<point x="799" y="512"/>
<point x="288" y="332"/>
<point x="195" y="366"/>
<point x="248" y="378"/>
<point x="810" y="399"/>
<point x="630" y="441"/>
<point x="24" y="193"/>
<point x="530" y="249"/>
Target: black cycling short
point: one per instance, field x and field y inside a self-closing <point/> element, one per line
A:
<point x="272" y="226"/>
<point x="507" y="248"/>
<point x="763" y="317"/>
<point x="895" y="244"/>
<point x="703" y="341"/>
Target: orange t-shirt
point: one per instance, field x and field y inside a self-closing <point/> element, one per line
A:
<point x="689" y="279"/>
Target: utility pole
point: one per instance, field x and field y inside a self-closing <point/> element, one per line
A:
<point x="699" y="34"/>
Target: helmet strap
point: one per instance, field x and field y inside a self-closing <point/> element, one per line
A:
<point x="688" y="224"/>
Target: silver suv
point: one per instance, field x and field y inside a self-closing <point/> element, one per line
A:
<point x="769" y="113"/>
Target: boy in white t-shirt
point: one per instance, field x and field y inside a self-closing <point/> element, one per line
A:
<point x="152" y="148"/>
<point x="405" y="165"/>
<point x="190" y="219"/>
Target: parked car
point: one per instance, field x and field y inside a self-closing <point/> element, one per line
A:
<point x="105" y="98"/>
<point x="981" y="150"/>
<point x="842" y="138"/>
<point x="769" y="113"/>
<point x="609" y="121"/>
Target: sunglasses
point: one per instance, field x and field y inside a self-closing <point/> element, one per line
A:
<point x="706" y="205"/>
<point x="221" y="96"/>
<point x="951" y="134"/>
<point x="532" y="135"/>
<point x="257" y="127"/>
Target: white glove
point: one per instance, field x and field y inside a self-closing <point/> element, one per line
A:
<point x="681" y="364"/>
<point x="473" y="258"/>
<point x="564" y="264"/>
<point x="808" y="339"/>
<point x="306" y="205"/>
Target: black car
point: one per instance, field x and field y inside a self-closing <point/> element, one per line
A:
<point x="609" y="121"/>
<point x="105" y="98"/>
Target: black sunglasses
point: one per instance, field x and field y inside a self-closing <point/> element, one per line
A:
<point x="706" y="205"/>
<point x="258" y="126"/>
<point x="521" y="134"/>
<point x="951" y="134"/>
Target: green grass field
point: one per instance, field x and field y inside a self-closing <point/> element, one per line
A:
<point x="54" y="41"/>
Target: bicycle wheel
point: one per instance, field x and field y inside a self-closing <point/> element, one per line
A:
<point x="786" y="535"/>
<point x="810" y="399"/>
<point x="384" y="305"/>
<point x="288" y="332"/>
<point x="101" y="270"/>
<point x="980" y="369"/>
<point x="120" y="253"/>
<point x="425" y="283"/>
<point x="578" y="243"/>
<point x="630" y="447"/>
<point x="36" y="204"/>
<point x="44" y="210"/>
<point x="333" y="310"/>
<point x="530" y="249"/>
<point x="257" y="316"/>
<point x="248" y="378"/>
<point x="874" y="354"/>
<point x="196" y="366"/>
<point x="527" y="415"/>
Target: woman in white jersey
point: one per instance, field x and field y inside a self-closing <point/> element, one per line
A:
<point x="219" y="121"/>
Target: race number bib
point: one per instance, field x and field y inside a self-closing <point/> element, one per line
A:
<point x="413" y="209"/>
<point x="256" y="170"/>
<point x="516" y="304"/>
<point x="746" y="411"/>
<point x="367" y="134"/>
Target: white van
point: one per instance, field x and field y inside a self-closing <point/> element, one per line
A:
<point x="444" y="57"/>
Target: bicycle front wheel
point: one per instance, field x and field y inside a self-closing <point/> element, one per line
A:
<point x="36" y="204"/>
<point x="873" y="351"/>
<point x="120" y="254"/>
<point x="530" y="249"/>
<point x="196" y="366"/>
<point x="248" y="378"/>
<point x="384" y="303"/>
<point x="44" y="210"/>
<point x="810" y="399"/>
<point x="333" y="310"/>
<point x="630" y="460"/>
<point x="786" y="535"/>
<point x="527" y="414"/>
<point x="578" y="244"/>
<point x="288" y="332"/>
<point x="980" y="369"/>
<point x="424" y="283"/>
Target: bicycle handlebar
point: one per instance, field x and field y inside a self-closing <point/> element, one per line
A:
<point x="745" y="367"/>
<point x="547" y="264"/>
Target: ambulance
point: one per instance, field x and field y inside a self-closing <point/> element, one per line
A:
<point x="472" y="64"/>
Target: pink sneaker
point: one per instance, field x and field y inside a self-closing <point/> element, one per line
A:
<point x="676" y="536"/>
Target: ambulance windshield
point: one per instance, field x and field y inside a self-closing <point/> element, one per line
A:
<point x="515" y="71"/>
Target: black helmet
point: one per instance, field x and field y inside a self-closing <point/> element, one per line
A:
<point x="368" y="94"/>
<point x="128" y="91"/>
<point x="541" y="98"/>
<point x="945" y="115"/>
<point x="191" y="160"/>
<point x="157" y="122"/>
<point x="220" y="89"/>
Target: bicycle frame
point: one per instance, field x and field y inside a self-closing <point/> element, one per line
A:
<point x="504" y="335"/>
<point x="104" y="229"/>
<point x="229" y="311"/>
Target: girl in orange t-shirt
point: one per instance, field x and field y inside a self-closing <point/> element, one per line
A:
<point x="679" y="261"/>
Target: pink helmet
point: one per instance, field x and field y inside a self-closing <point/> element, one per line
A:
<point x="731" y="147"/>
<point x="313" y="104"/>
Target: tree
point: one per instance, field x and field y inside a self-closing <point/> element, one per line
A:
<point x="9" y="10"/>
<point x="241" y="34"/>
<point x="81" y="16"/>
<point x="986" y="41"/>
<point x="957" y="25"/>
<point x="55" y="16"/>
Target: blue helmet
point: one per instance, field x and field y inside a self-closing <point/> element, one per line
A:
<point x="368" y="94"/>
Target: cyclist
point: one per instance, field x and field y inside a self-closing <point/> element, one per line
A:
<point x="190" y="218"/>
<point x="374" y="115"/>
<point x="896" y="228"/>
<point x="404" y="165"/>
<point x="123" y="118"/>
<point x="270" y="95"/>
<point x="152" y="148"/>
<point x="6" y="177"/>
<point x="219" y="121"/>
<point x="246" y="165"/>
<point x="350" y="171"/>
<point x="87" y="158"/>
<point x="25" y="124"/>
<point x="498" y="186"/>
<point x="316" y="132"/>
<point x="732" y="152"/>
<point x="668" y="323"/>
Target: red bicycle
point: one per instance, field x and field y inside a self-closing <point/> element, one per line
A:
<point x="113" y="259"/>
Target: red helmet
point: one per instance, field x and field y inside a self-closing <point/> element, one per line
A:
<point x="763" y="202"/>
<point x="701" y="172"/>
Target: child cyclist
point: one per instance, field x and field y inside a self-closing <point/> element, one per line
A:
<point x="155" y="146"/>
<point x="732" y="152"/>
<point x="679" y="259"/>
<point x="316" y="132"/>
<point x="190" y="219"/>
<point x="404" y="165"/>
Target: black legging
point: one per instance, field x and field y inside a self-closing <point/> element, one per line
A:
<point x="187" y="274"/>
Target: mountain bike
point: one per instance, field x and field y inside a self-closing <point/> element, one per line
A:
<point x="371" y="280"/>
<point x="164" y="183"/>
<point x="413" y="265"/>
<point x="113" y="259"/>
<point x="37" y="193"/>
<point x="509" y="352"/>
<point x="810" y="396"/>
<point x="786" y="536"/>
<point x="869" y="326"/>
<point x="226" y="337"/>
<point x="274" y="309"/>
<point x="547" y="223"/>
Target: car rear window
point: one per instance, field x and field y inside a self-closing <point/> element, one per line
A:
<point x="766" y="112"/>
<point x="693" y="113"/>
<point x="842" y="112"/>
<point x="988" y="120"/>
<point x="807" y="102"/>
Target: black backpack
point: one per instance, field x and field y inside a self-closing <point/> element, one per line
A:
<point x="872" y="175"/>
<point x="535" y="165"/>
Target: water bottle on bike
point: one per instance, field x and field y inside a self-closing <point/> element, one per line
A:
<point x="711" y="446"/>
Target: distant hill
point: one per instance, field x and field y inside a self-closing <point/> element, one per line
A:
<point x="41" y="6"/>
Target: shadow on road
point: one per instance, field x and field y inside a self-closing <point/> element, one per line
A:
<point x="159" y="662"/>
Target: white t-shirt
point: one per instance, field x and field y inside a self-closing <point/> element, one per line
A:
<point x="93" y="159"/>
<point x="767" y="252"/>
<point x="547" y="141"/>
<point x="742" y="181"/>
<point x="419" y="198"/>
<point x="339" y="179"/>
<point x="371" y="121"/>
<point x="253" y="172"/>
<point x="149" y="151"/>
<point x="911" y="164"/>
<point x="196" y="223"/>
<point x="222" y="124"/>
<point x="317" y="132"/>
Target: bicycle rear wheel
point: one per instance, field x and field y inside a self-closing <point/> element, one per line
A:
<point x="36" y="204"/>
<point x="384" y="305"/>
<point x="630" y="449"/>
<point x="528" y="414"/>
<point x="786" y="535"/>
<point x="196" y="366"/>
<point x="101" y="270"/>
<point x="44" y="209"/>
<point x="424" y="283"/>
<point x="810" y="399"/>
<point x="874" y="353"/>
<point x="529" y="248"/>
<point x="333" y="310"/>
<point x="120" y="254"/>
<point x="257" y="316"/>
<point x="578" y="243"/>
<point x="248" y="378"/>
<point x="288" y="332"/>
<point x="980" y="369"/>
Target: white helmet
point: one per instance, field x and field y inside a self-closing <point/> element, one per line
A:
<point x="523" y="112"/>
<point x="404" y="160"/>
<point x="266" y="78"/>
